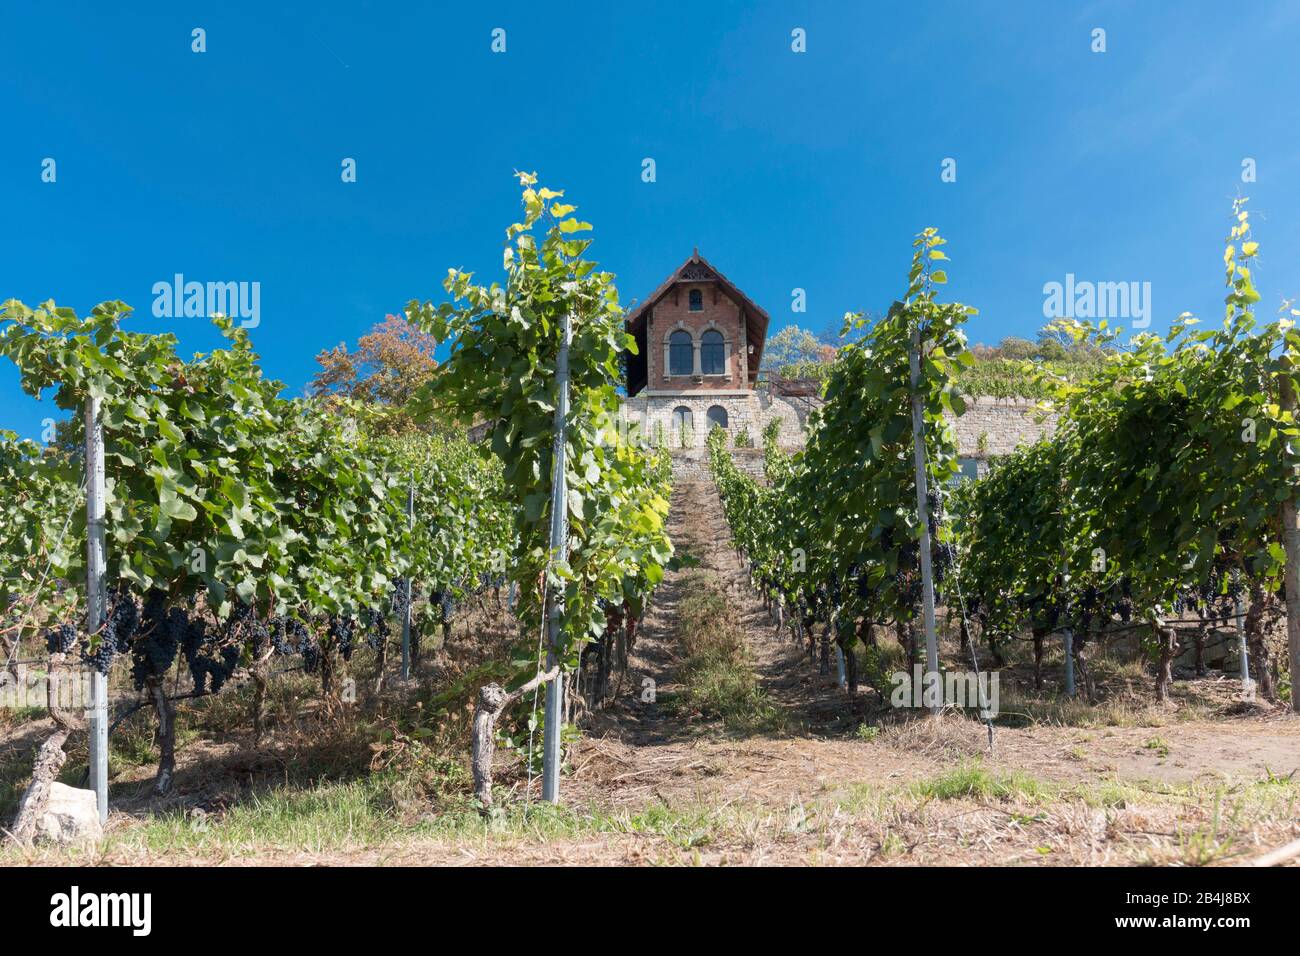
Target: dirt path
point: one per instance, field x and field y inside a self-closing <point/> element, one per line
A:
<point x="641" y="751"/>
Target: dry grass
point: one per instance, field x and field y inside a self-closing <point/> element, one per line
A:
<point x="718" y="680"/>
<point x="966" y="815"/>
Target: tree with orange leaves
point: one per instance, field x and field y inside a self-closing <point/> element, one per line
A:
<point x="389" y="365"/>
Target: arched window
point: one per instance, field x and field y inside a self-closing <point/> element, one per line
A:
<point x="717" y="415"/>
<point x="712" y="356"/>
<point x="681" y="353"/>
<point x="683" y="427"/>
<point x="695" y="298"/>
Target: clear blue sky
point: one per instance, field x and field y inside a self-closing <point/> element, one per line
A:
<point x="787" y="170"/>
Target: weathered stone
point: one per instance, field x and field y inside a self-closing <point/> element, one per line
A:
<point x="71" y="816"/>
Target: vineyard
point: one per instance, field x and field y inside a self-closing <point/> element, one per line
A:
<point x="287" y="610"/>
<point x="1162" y="504"/>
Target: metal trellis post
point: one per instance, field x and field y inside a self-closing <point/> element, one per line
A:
<point x="559" y="552"/>
<point x="922" y="491"/>
<point x="1069" y="662"/>
<point x="96" y="558"/>
<point x="1241" y="649"/>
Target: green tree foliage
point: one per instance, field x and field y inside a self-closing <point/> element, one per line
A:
<point x="794" y="346"/>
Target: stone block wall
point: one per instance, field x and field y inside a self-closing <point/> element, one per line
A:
<point x="692" y="464"/>
<point x="990" y="426"/>
<point x="748" y="411"/>
<point x="995" y="426"/>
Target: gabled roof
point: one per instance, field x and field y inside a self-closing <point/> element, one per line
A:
<point x="698" y="269"/>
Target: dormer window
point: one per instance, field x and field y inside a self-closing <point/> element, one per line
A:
<point x="695" y="300"/>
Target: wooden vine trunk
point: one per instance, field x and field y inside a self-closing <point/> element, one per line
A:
<point x="259" y="703"/>
<point x="846" y="641"/>
<point x="380" y="661"/>
<point x="907" y="638"/>
<point x="1081" y="668"/>
<point x="166" y="735"/>
<point x="995" y="648"/>
<point x="493" y="701"/>
<point x="1260" y="658"/>
<point x="49" y="761"/>
<point x="1167" y="645"/>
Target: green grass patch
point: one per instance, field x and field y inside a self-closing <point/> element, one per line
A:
<point x="971" y="781"/>
<point x="717" y="676"/>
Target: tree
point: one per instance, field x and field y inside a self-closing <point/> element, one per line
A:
<point x="791" y="346"/>
<point x="390" y="364"/>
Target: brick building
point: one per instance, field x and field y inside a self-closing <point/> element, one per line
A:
<point x="699" y="347"/>
<point x="696" y="333"/>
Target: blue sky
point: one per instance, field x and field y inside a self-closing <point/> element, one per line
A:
<point x="787" y="170"/>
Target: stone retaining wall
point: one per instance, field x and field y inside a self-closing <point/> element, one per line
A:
<point x="995" y="426"/>
<point x="692" y="464"/>
<point x="989" y="427"/>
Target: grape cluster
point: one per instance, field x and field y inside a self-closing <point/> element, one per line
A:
<point x="401" y="598"/>
<point x="311" y="655"/>
<point x="907" y="578"/>
<point x="488" y="580"/>
<point x="210" y="672"/>
<point x="100" y="657"/>
<point x="1216" y="598"/>
<point x="59" y="640"/>
<point x="377" y="627"/>
<point x="1123" y="608"/>
<point x="261" y="632"/>
<point x="115" y="635"/>
<point x="154" y="651"/>
<point x="864" y="587"/>
<point x="290" y="636"/>
<point x="944" y="557"/>
<point x="125" y="618"/>
<point x="934" y="511"/>
<point x="279" y="633"/>
<point x="220" y="672"/>
<point x="212" y="659"/>
<point x="833" y="590"/>
<point x="342" y="630"/>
